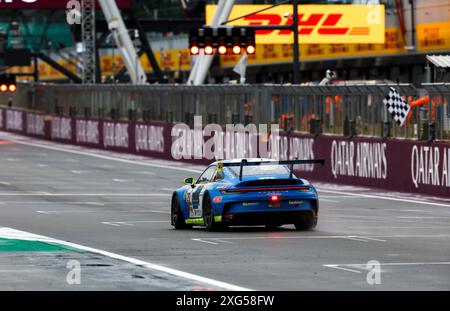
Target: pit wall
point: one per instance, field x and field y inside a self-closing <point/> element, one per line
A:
<point x="395" y="165"/>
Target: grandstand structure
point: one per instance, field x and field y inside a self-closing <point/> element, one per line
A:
<point x="413" y="30"/>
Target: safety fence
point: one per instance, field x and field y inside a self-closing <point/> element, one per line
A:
<point x="392" y="164"/>
<point x="347" y="110"/>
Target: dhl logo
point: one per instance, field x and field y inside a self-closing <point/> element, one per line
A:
<point x="317" y="23"/>
<point x="327" y="24"/>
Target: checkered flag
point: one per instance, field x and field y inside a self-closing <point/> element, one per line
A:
<point x="396" y="106"/>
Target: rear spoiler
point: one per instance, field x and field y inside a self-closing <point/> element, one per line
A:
<point x="291" y="163"/>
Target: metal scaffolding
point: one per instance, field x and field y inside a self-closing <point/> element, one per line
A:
<point x="89" y="38"/>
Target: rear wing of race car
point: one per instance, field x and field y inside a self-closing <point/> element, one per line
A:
<point x="291" y="164"/>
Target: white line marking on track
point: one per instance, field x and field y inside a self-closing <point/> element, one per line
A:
<point x="326" y="219"/>
<point x="111" y="224"/>
<point x="355" y="218"/>
<point x="382" y="197"/>
<point x="21" y="271"/>
<point x="64" y="211"/>
<point x="167" y="189"/>
<point x="408" y="210"/>
<point x="363" y="266"/>
<point x="121" y="180"/>
<point x="373" y="239"/>
<point x="222" y="241"/>
<point x="339" y="197"/>
<point x="47" y="194"/>
<point x="41" y="193"/>
<point x="130" y="223"/>
<point x="407" y="263"/>
<point x="92" y="203"/>
<point x="69" y="203"/>
<point x="147" y="173"/>
<point x="138" y="262"/>
<point x="355" y="239"/>
<point x="100" y="156"/>
<point x="342" y="268"/>
<point x="5" y="183"/>
<point x="422" y="217"/>
<point x="393" y="227"/>
<point x="329" y="200"/>
<point x="203" y="241"/>
<point x="378" y="237"/>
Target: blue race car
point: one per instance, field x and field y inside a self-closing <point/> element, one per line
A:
<point x="246" y="192"/>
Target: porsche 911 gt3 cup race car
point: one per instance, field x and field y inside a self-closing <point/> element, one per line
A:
<point x="246" y="192"/>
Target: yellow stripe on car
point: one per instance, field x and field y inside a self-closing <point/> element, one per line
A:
<point x="195" y="221"/>
<point x="201" y="221"/>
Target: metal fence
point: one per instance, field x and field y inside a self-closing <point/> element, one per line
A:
<point x="343" y="110"/>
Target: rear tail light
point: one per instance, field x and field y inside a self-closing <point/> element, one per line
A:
<point x="274" y="198"/>
<point x="305" y="188"/>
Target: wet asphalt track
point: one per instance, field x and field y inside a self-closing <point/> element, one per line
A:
<point x="124" y="207"/>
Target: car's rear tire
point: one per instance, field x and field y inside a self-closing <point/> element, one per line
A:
<point x="308" y="223"/>
<point x="208" y="216"/>
<point x="176" y="215"/>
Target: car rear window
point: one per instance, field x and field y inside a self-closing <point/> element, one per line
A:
<point x="274" y="169"/>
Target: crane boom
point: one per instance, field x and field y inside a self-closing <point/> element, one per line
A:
<point x="123" y="41"/>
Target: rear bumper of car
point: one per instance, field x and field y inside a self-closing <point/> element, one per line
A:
<point x="267" y="217"/>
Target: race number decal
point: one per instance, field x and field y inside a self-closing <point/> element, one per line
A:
<point x="195" y="209"/>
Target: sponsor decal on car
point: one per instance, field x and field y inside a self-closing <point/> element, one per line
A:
<point x="217" y="199"/>
<point x="295" y="202"/>
<point x="250" y="203"/>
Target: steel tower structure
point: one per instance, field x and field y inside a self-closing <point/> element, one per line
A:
<point x="88" y="35"/>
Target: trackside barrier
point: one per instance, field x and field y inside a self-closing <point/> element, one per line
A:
<point x="397" y="165"/>
<point x="349" y="110"/>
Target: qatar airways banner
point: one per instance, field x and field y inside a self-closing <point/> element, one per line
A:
<point x="35" y="124"/>
<point x="61" y="129"/>
<point x="1" y="118"/>
<point x="397" y="165"/>
<point x="88" y="132"/>
<point x="50" y="4"/>
<point x="15" y="120"/>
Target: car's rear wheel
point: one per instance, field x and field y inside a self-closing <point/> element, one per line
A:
<point x="176" y="215"/>
<point x="308" y="223"/>
<point x="208" y="216"/>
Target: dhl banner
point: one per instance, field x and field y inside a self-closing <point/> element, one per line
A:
<point x="432" y="37"/>
<point x="171" y="60"/>
<point x="340" y="23"/>
<point x="282" y="53"/>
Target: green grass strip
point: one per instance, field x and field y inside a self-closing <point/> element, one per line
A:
<point x="15" y="245"/>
